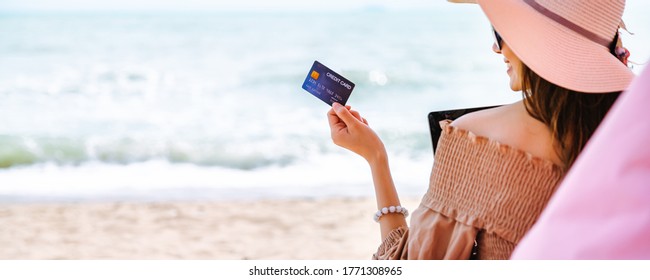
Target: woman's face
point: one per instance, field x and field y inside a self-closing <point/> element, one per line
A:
<point x="514" y="65"/>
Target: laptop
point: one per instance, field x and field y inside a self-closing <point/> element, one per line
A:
<point x="436" y="117"/>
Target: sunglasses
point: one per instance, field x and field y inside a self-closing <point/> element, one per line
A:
<point x="497" y="38"/>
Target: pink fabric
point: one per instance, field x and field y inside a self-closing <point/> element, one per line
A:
<point x="602" y="209"/>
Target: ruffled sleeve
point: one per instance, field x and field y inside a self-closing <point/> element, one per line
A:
<point x="431" y="236"/>
<point x="394" y="245"/>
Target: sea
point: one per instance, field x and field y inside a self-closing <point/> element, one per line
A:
<point x="208" y="105"/>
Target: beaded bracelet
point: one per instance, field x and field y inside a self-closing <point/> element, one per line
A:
<point x="391" y="209"/>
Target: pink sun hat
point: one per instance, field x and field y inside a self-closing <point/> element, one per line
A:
<point x="566" y="42"/>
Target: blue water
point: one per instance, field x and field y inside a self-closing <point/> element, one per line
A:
<point x="210" y="106"/>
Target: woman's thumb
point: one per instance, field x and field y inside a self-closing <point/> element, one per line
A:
<point x="344" y="114"/>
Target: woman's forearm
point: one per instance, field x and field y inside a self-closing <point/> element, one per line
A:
<point x="351" y="131"/>
<point x="386" y="194"/>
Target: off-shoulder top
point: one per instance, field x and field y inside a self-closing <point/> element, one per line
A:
<point x="479" y="191"/>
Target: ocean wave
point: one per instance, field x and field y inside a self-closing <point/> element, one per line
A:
<point x="242" y="153"/>
<point x="20" y="151"/>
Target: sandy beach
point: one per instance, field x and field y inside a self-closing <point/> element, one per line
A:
<point x="332" y="228"/>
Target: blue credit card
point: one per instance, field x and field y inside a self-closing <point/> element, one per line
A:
<point x="327" y="85"/>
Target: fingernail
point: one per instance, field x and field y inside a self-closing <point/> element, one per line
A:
<point x="337" y="107"/>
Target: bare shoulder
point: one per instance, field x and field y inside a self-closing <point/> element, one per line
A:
<point x="486" y="122"/>
<point x="511" y="125"/>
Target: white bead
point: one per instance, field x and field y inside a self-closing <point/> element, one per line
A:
<point x="390" y="209"/>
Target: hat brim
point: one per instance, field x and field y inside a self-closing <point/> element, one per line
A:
<point x="556" y="53"/>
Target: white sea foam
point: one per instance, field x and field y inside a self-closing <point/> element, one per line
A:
<point x="333" y="175"/>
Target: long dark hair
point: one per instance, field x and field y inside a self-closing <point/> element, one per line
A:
<point x="571" y="116"/>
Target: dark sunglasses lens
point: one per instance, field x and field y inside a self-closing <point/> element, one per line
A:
<point x="497" y="38"/>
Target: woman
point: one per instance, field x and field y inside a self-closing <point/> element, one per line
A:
<point x="496" y="169"/>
